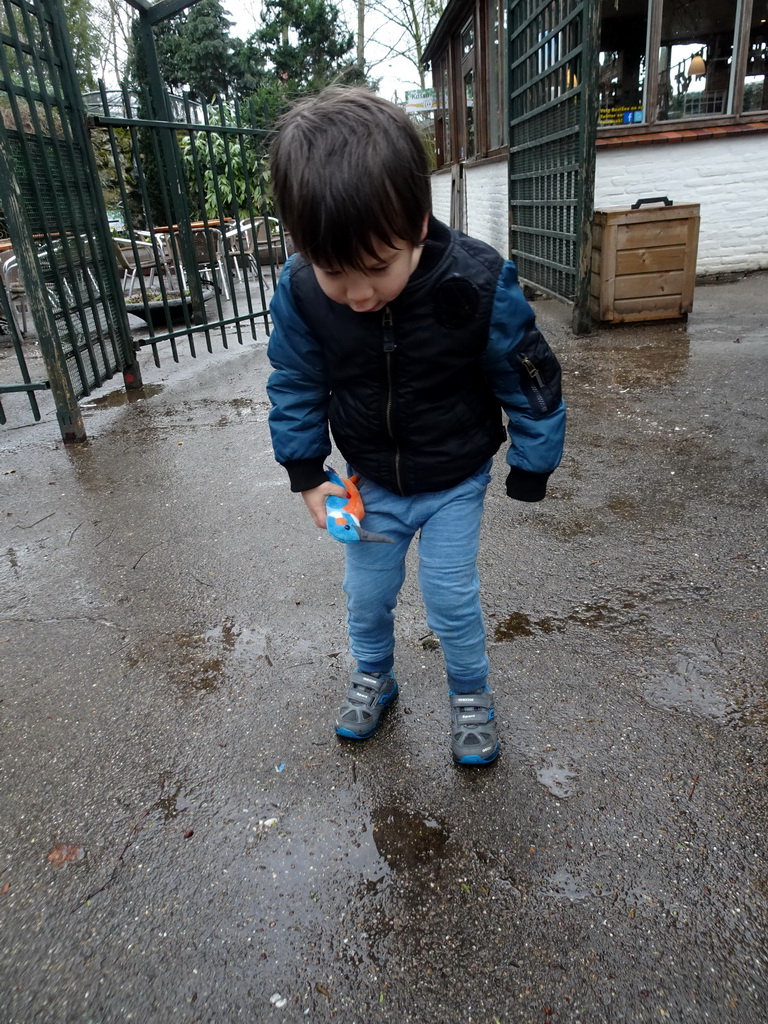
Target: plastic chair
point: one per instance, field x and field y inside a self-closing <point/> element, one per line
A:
<point x="16" y="292"/>
<point x="150" y="259"/>
<point x="208" y="244"/>
<point x="241" y="248"/>
<point x="268" y="244"/>
<point x="274" y="245"/>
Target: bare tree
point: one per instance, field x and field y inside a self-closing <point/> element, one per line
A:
<point x="114" y="18"/>
<point x="409" y="24"/>
<point x="361" y="35"/>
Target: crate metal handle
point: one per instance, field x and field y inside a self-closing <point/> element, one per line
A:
<point x="653" y="199"/>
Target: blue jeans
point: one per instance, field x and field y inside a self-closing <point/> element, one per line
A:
<point x="449" y="525"/>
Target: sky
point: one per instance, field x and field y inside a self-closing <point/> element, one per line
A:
<point x="397" y="74"/>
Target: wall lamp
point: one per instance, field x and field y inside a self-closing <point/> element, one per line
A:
<point x="697" y="67"/>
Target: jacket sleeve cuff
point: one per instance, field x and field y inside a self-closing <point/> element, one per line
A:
<point x="525" y="486"/>
<point x="305" y="474"/>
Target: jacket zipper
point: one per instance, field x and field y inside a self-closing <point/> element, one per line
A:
<point x="389" y="349"/>
<point x="537" y="383"/>
<point x="533" y="371"/>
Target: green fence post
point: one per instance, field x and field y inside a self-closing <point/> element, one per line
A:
<point x="67" y="409"/>
<point x="590" y="105"/>
<point x="172" y="159"/>
<point x="131" y="368"/>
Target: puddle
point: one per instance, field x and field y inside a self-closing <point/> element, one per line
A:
<point x="568" y="529"/>
<point x="613" y="612"/>
<point x="687" y="686"/>
<point x="66" y="853"/>
<point x="519" y="624"/>
<point x="558" y="778"/>
<point x="610" y="612"/>
<point x="620" y="365"/>
<point x="405" y="839"/>
<point x="245" y="404"/>
<point x="170" y="803"/>
<point x="562" y="885"/>
<point x="206" y="659"/>
<point x="622" y="507"/>
<point x="115" y="399"/>
<point x="711" y="686"/>
<point x="242" y="407"/>
<point x="228" y="634"/>
<point x="750" y="706"/>
<point x="204" y="669"/>
<point x="649" y="366"/>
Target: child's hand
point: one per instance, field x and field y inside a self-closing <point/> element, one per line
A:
<point x="315" y="500"/>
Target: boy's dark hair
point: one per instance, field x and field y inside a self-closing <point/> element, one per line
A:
<point x="349" y="169"/>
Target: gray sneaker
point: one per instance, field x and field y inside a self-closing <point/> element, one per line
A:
<point x="474" y="739"/>
<point x="369" y="694"/>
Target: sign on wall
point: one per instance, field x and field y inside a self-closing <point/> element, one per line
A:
<point x="621" y="115"/>
<point x="421" y="99"/>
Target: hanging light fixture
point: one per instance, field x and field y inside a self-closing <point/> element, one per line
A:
<point x="697" y="68"/>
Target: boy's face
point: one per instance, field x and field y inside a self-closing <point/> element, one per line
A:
<point x="379" y="283"/>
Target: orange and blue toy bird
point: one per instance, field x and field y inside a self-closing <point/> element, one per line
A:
<point x="343" y="514"/>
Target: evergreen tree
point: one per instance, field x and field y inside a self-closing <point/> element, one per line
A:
<point x="204" y="54"/>
<point x="86" y="39"/>
<point x="194" y="52"/>
<point x="168" y="44"/>
<point x="137" y="74"/>
<point x="248" y="68"/>
<point x="303" y="42"/>
<point x="304" y="48"/>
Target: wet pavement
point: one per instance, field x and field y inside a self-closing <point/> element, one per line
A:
<point x="183" y="838"/>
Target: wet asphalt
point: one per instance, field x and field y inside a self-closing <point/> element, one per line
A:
<point x="182" y="837"/>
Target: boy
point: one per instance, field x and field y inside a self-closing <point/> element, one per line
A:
<point x="405" y="338"/>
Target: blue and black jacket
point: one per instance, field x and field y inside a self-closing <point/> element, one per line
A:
<point x="413" y="393"/>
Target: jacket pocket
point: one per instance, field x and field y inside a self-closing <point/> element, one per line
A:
<point x="539" y="373"/>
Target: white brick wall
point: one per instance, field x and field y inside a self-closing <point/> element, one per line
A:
<point x="487" y="217"/>
<point x="728" y="177"/>
<point x="486" y="189"/>
<point x="441" y="196"/>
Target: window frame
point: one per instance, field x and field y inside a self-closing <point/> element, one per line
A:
<point x="442" y="82"/>
<point x="469" y="63"/>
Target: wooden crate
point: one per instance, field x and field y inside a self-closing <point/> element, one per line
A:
<point x="644" y="262"/>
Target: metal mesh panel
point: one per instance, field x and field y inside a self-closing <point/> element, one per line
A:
<point x="54" y="204"/>
<point x="546" y="97"/>
<point x="214" y="231"/>
<point x="182" y="175"/>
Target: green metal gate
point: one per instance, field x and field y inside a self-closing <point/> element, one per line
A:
<point x="55" y="215"/>
<point x="194" y="200"/>
<point x="553" y="107"/>
<point x="199" y="248"/>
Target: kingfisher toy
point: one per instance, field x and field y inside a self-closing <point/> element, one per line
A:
<point x="343" y="514"/>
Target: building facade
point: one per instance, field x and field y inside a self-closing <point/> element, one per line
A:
<point x="683" y="113"/>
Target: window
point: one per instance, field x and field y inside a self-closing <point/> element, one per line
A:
<point x="623" y="34"/>
<point x="695" y="59"/>
<point x="496" y="41"/>
<point x="756" y="74"/>
<point x="468" y="89"/>
<point x="692" y="61"/>
<point x="469" y="76"/>
<point x="443" y="113"/>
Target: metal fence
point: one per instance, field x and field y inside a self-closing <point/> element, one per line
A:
<point x="199" y="250"/>
<point x="113" y="101"/>
<point x="59" y="270"/>
<point x="193" y="250"/>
